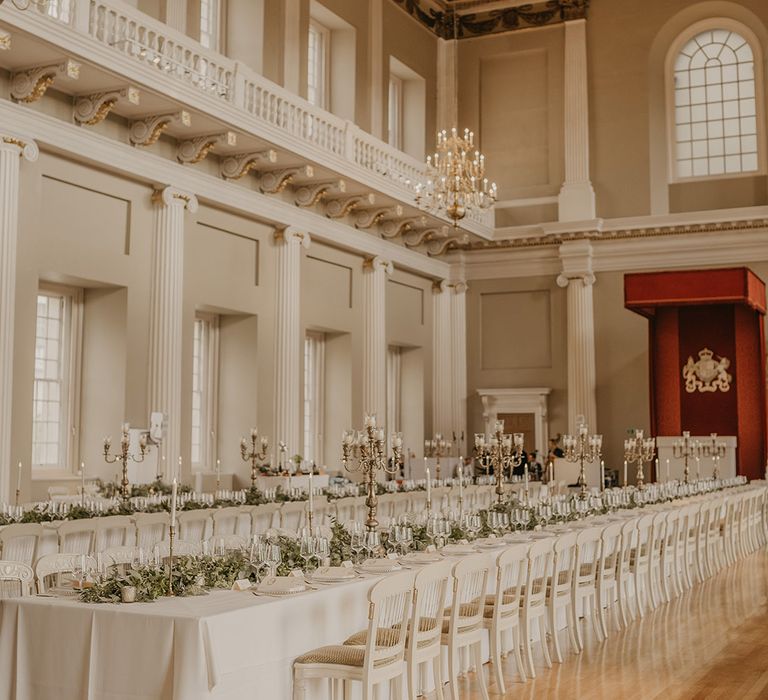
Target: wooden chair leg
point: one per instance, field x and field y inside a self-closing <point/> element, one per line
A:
<point x="518" y="654"/>
<point x="479" y="670"/>
<point x="553" y="627"/>
<point x="437" y="674"/>
<point x="496" y="661"/>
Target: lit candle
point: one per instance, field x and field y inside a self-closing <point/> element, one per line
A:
<point x="429" y="485"/>
<point x="625" y="472"/>
<point x="698" y="470"/>
<point x="178" y="470"/>
<point x="173" y="502"/>
<point x="311" y="495"/>
<point x="82" y="480"/>
<point x="667" y="469"/>
<point x="461" y="484"/>
<point x="18" y="478"/>
<point x="657" y="469"/>
<point x="218" y="471"/>
<point x="602" y="474"/>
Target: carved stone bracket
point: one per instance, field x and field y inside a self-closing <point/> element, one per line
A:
<point x="5" y="40"/>
<point x="238" y="166"/>
<point x="146" y="131"/>
<point x="437" y="246"/>
<point x="275" y="181"/>
<point x="93" y="109"/>
<point x="310" y="194"/>
<point x="339" y="208"/>
<point x="195" y="150"/>
<point x="416" y="237"/>
<point x="30" y="85"/>
<point x="392" y="228"/>
<point x="368" y="218"/>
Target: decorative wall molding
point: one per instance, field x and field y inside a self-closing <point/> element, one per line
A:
<point x="196" y="149"/>
<point x="5" y="40"/>
<point x="146" y="131"/>
<point x="29" y="85"/>
<point x="340" y="207"/>
<point x="310" y="194"/>
<point x="275" y="181"/>
<point x="239" y="165"/>
<point x="479" y="18"/>
<point x="392" y="228"/>
<point x="368" y="218"/>
<point x="93" y="109"/>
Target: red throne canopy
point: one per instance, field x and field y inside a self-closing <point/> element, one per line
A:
<point x="692" y="313"/>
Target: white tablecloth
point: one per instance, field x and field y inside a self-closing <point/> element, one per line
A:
<point x="320" y="481"/>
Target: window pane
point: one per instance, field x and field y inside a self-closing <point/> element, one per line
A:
<point x="201" y="391"/>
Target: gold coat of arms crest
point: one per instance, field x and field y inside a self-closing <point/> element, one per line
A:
<point x="707" y="373"/>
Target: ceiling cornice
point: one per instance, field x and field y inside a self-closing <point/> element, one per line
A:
<point x="483" y="18"/>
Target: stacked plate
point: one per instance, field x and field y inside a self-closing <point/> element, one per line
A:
<point x="281" y="585"/>
<point x="459" y="550"/>
<point x="490" y="543"/>
<point x="333" y="574"/>
<point x="421" y="558"/>
<point x="380" y="566"/>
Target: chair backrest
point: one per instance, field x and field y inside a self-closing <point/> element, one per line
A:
<point x="194" y="525"/>
<point x="15" y="579"/>
<point x="539" y="571"/>
<point x="610" y="551"/>
<point x="262" y="517"/>
<point x="511" y="570"/>
<point x="151" y="528"/>
<point x="389" y="607"/>
<point x="120" y="557"/>
<point x="162" y="550"/>
<point x="225" y="520"/>
<point x="346" y="508"/>
<point x="644" y="534"/>
<point x="114" y="531"/>
<point x="19" y="542"/>
<point x="628" y="544"/>
<point x="671" y="530"/>
<point x="226" y="543"/>
<point x="431" y="586"/>
<point x="470" y="582"/>
<point x="77" y="536"/>
<point x="563" y="564"/>
<point x="587" y="556"/>
<point x="292" y="514"/>
<point x="52" y="565"/>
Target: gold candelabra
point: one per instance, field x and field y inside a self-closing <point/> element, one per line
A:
<point x="500" y="452"/>
<point x="716" y="450"/>
<point x="686" y="448"/>
<point x="582" y="448"/>
<point x="437" y="447"/>
<point x="639" y="449"/>
<point x="365" y="451"/>
<point x="124" y="456"/>
<point x="257" y="453"/>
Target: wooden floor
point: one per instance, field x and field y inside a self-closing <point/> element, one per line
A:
<point x="712" y="642"/>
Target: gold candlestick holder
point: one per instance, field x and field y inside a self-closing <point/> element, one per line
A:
<point x="171" y="537"/>
<point x="18" y="497"/>
<point x="686" y="448"/>
<point x="716" y="450"/>
<point x="124" y="456"/>
<point x="582" y="448"/>
<point x="365" y="451"/>
<point x="437" y="447"/>
<point x="639" y="449"/>
<point x="257" y="453"/>
<point x="501" y="451"/>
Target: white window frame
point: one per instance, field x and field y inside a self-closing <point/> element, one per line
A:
<point x="71" y="362"/>
<point x="314" y="421"/>
<point x="211" y="39"/>
<point x="709" y="24"/>
<point x="60" y="10"/>
<point x="395" y="112"/>
<point x="210" y="381"/>
<point x="323" y="75"/>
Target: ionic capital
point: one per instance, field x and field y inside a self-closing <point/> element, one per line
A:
<point x="292" y="235"/>
<point x="587" y="279"/>
<point x="171" y="196"/>
<point x="378" y="264"/>
<point x="19" y="143"/>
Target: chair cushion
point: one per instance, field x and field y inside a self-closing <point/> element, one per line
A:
<point x="334" y="654"/>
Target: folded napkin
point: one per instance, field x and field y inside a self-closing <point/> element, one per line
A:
<point x="458" y="549"/>
<point x="333" y="573"/>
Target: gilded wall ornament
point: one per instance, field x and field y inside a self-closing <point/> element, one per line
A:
<point x="707" y="373"/>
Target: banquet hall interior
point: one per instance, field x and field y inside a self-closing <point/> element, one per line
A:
<point x="383" y="349"/>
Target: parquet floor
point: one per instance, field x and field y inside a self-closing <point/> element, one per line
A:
<point x="709" y="644"/>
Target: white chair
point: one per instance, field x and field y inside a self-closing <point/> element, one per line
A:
<point x="606" y="583"/>
<point x="19" y="542"/>
<point x="292" y="515"/>
<point x="77" y="536"/>
<point x="668" y="566"/>
<point x="121" y="557"/>
<point x="162" y="550"/>
<point x="534" y="602"/>
<point x="54" y="565"/>
<point x="655" y="567"/>
<point x="464" y="626"/>
<point x="114" y="531"/>
<point x="263" y="517"/>
<point x="346" y="508"/>
<point x="225" y="520"/>
<point x="226" y="543"/>
<point x="194" y="525"/>
<point x="560" y="588"/>
<point x="382" y="659"/>
<point x="16" y="579"/>
<point x="624" y="578"/>
<point x="151" y="528"/>
<point x="584" y="580"/>
<point x="713" y="558"/>
<point x="502" y="616"/>
<point x="701" y="541"/>
<point x="689" y="526"/>
<point x="640" y="563"/>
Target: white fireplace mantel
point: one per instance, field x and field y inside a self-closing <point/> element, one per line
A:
<point x="522" y="400"/>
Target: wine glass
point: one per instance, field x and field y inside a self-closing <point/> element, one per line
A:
<point x="272" y="558"/>
<point x="372" y="542"/>
<point x="322" y="551"/>
<point x="357" y="544"/>
<point x="306" y="550"/>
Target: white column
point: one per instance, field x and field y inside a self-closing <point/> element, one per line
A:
<point x="12" y="149"/>
<point x="442" y="392"/>
<point x="375" y="272"/>
<point x="459" y="362"/>
<point x="288" y="341"/>
<point x="577" y="198"/>
<point x="176" y="14"/>
<point x="165" y="316"/>
<point x="578" y="278"/>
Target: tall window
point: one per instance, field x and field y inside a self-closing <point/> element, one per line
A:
<point x="205" y="360"/>
<point x="59" y="10"/>
<point x="715" y="106"/>
<point x="318" y="65"/>
<point x="210" y="21"/>
<point x="394" y="389"/>
<point x="314" y="384"/>
<point x="54" y="401"/>
<point x="395" y="112"/>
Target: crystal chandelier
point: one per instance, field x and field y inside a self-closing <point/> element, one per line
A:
<point x="455" y="181"/>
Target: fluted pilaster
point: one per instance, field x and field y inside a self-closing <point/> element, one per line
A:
<point x="165" y="315"/>
<point x="12" y="149"/>
<point x="578" y="279"/>
<point x="459" y="361"/>
<point x="577" y="198"/>
<point x="442" y="392"/>
<point x="375" y="272"/>
<point x="288" y="345"/>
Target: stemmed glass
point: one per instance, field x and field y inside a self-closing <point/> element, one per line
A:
<point x="357" y="544"/>
<point x="372" y="542"/>
<point x="322" y="550"/>
<point x="307" y="550"/>
<point x="272" y="558"/>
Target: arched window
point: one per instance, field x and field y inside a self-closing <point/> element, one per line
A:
<point x="716" y="113"/>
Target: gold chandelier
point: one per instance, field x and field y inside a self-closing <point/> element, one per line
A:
<point x="455" y="181"/>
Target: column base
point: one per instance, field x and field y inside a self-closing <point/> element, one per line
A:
<point x="576" y="202"/>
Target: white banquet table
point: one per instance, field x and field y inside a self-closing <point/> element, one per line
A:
<point x="222" y="645"/>
<point x="299" y="481"/>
